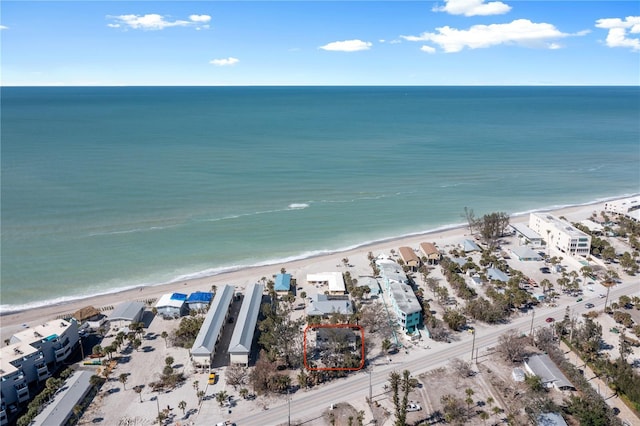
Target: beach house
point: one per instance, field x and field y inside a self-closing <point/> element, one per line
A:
<point x="469" y="246"/>
<point x="560" y="234"/>
<point x="324" y="305"/>
<point x="125" y="314"/>
<point x="525" y="254"/>
<point x="409" y="257"/>
<point x="243" y="333"/>
<point x="204" y="347"/>
<point x="430" y="252"/>
<point x="333" y="280"/>
<point x="172" y="305"/>
<point x="199" y="300"/>
<point x="32" y="355"/>
<point x="283" y="284"/>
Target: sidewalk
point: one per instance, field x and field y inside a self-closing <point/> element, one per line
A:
<point x="625" y="414"/>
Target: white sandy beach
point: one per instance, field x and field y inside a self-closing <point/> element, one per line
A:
<point x="10" y="323"/>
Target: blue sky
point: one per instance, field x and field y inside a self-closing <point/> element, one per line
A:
<point x="448" y="42"/>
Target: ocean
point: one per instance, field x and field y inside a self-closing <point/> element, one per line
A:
<point x="107" y="188"/>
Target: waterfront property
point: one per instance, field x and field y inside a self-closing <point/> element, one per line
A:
<point x="409" y="258"/>
<point x="89" y="317"/>
<point x="431" y="252"/>
<point x="372" y="283"/>
<point x="172" y="305"/>
<point x="469" y="246"/>
<point x="283" y="284"/>
<point x="527" y="235"/>
<point x="495" y="274"/>
<point x="204" y="347"/>
<point x="32" y="355"/>
<point x="333" y="280"/>
<point x="628" y="207"/>
<point x="199" y="300"/>
<point x="548" y="372"/>
<point x="125" y="314"/>
<point x="60" y="410"/>
<point x="243" y="333"/>
<point x="560" y="234"/>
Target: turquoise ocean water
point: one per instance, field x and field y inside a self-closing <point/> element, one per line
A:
<point x="109" y="188"/>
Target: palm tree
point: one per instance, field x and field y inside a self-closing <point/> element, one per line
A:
<point x="200" y="395"/>
<point x="469" y="400"/>
<point x="484" y="416"/>
<point x="169" y="361"/>
<point x="221" y="397"/>
<point x="138" y="390"/>
<point x="164" y="335"/>
<point x="244" y="392"/>
<point x="123" y="379"/>
<point x="182" y="405"/>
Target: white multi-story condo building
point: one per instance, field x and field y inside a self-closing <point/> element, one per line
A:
<point x="560" y="234"/>
<point x="32" y="355"/>
<point x="629" y="207"/>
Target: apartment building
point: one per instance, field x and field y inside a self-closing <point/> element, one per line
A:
<point x="560" y="234"/>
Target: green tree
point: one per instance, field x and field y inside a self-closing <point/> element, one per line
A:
<point x="182" y="405"/>
<point x="164" y="335"/>
<point x="123" y="379"/>
<point x="221" y="397"/>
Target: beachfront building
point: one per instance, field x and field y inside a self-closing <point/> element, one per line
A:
<point x="409" y="257"/>
<point x="431" y="252"/>
<point x="495" y="274"/>
<point x="469" y="246"/>
<point x="403" y="300"/>
<point x="199" y="300"/>
<point x="527" y="235"/>
<point x="333" y="280"/>
<point x="172" y="305"/>
<point x="125" y="314"/>
<point x="90" y="318"/>
<point x="560" y="234"/>
<point x="204" y="347"/>
<point x="32" y="355"/>
<point x="525" y="254"/>
<point x="283" y="284"/>
<point x="324" y="305"/>
<point x="548" y="372"/>
<point x="60" y="410"/>
<point x="243" y="333"/>
<point x="628" y="207"/>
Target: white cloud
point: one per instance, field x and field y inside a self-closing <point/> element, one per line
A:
<point x="153" y="21"/>
<point x="617" y="36"/>
<point x="472" y="7"/>
<point x="347" y="46"/>
<point x="519" y="32"/>
<point x="224" y="62"/>
<point x="554" y="46"/>
<point x="200" y="18"/>
<point x="428" y="49"/>
<point x="3" y="27"/>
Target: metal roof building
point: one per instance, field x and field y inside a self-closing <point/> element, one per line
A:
<point x="527" y="234"/>
<point x="61" y="409"/>
<point x="199" y="299"/>
<point x="283" y="283"/>
<point x="321" y="304"/>
<point x="497" y="274"/>
<point x="172" y="305"/>
<point x="242" y="338"/>
<point x="468" y="245"/>
<point x="204" y="347"/>
<point x="524" y="253"/>
<point x="548" y="371"/>
<point x="334" y="280"/>
<point x="125" y="313"/>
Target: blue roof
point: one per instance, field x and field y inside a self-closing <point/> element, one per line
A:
<point x="179" y="296"/>
<point x="283" y="282"/>
<point x="200" y="297"/>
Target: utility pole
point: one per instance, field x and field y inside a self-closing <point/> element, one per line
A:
<point x="533" y="314"/>
<point x="473" y="344"/>
<point x="158" y="404"/>
<point x="289" y="400"/>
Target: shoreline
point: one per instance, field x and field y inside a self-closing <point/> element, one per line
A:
<point x="240" y="276"/>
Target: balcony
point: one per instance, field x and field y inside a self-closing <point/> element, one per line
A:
<point x="61" y="353"/>
<point x="22" y="391"/>
<point x="43" y="371"/>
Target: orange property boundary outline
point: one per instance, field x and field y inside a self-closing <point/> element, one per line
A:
<point x="314" y="326"/>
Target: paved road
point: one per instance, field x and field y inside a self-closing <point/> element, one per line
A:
<point x="306" y="405"/>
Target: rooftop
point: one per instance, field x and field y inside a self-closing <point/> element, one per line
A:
<point x="200" y="297"/>
<point x="335" y="280"/>
<point x="214" y="320"/>
<point x="247" y="318"/>
<point x="543" y="367"/>
<point x="127" y="311"/>
<point x="526" y="232"/>
<point x="283" y="282"/>
<point x="408" y="255"/>
<point x="168" y="300"/>
<point x="321" y="304"/>
<point x="561" y="225"/>
<point x="404" y="297"/>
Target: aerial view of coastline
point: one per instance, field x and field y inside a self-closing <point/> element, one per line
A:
<point x="171" y="165"/>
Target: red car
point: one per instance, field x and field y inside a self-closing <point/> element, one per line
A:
<point x="549" y="319"/>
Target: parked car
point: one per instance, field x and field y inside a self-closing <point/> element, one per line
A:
<point x="549" y="319"/>
<point x="545" y="270"/>
<point x="212" y="378"/>
<point x="589" y="305"/>
<point x="414" y="407"/>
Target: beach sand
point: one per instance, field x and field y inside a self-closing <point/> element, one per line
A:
<point x="13" y="322"/>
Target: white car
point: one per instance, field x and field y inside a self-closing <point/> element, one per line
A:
<point x="414" y="407"/>
<point x="601" y="296"/>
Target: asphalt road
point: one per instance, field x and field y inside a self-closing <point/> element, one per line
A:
<point x="306" y="405"/>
